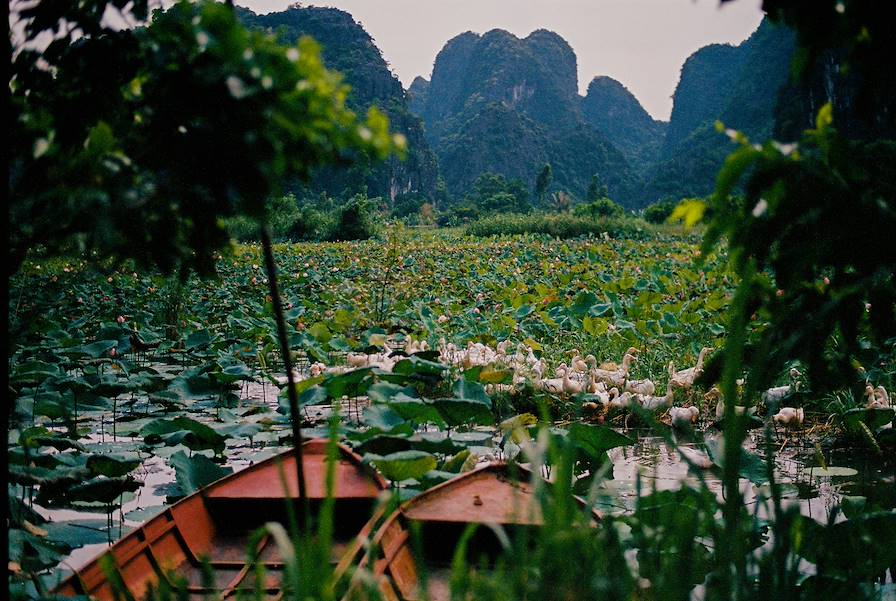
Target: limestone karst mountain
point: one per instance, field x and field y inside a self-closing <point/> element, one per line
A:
<point x="349" y="49"/>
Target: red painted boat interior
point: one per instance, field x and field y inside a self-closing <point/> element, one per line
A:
<point x="201" y="543"/>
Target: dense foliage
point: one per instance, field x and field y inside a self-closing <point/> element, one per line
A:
<point x="562" y="225"/>
<point x="117" y="371"/>
<point x="601" y="207"/>
<point x="830" y="296"/>
<point x="659" y="211"/>
<point x="207" y="338"/>
<point x="195" y="120"/>
<point x="315" y="219"/>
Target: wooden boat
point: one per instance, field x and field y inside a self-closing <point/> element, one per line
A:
<point x="487" y="495"/>
<point x="213" y="528"/>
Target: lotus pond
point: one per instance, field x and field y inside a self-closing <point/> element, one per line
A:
<point x="129" y="390"/>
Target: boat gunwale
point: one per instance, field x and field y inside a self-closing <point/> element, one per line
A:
<point x="379" y="559"/>
<point x="167" y="516"/>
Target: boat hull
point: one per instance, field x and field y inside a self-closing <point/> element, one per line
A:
<point x="201" y="544"/>
<point x="491" y="495"/>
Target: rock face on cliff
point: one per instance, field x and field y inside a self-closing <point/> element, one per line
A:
<point x="347" y="48"/>
<point x="418" y="93"/>
<point x="498" y="103"/>
<point x="616" y="114"/>
<point x="737" y="85"/>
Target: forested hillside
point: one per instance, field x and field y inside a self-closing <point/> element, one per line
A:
<point x="737" y="85"/>
<point x="349" y="49"/>
<point x="615" y="112"/>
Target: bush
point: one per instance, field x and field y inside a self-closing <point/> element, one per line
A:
<point x="493" y="193"/>
<point x="558" y="226"/>
<point x="602" y="207"/>
<point x="282" y="216"/>
<point x="354" y="220"/>
<point x="407" y="206"/>
<point x="659" y="211"/>
<point x="312" y="225"/>
<point x="242" y="229"/>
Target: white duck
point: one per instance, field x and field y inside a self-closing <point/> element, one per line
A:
<point x="775" y="394"/>
<point x="597" y="387"/>
<point x="605" y="396"/>
<point x="878" y="398"/>
<point x="357" y="359"/>
<point x="538" y="368"/>
<point x="720" y="409"/>
<point x="631" y="351"/>
<point x="656" y="403"/>
<point x="574" y="386"/>
<point x="621" y="401"/>
<point x="685" y="377"/>
<point x="552" y="385"/>
<point x="645" y="387"/>
<point x="615" y="377"/>
<point x="789" y="416"/>
<point x="684" y="417"/>
<point x="578" y="364"/>
<point x="317" y="369"/>
<point x="698" y="458"/>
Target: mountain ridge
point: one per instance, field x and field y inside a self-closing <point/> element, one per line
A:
<point x="528" y="90"/>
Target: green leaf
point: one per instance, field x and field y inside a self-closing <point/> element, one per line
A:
<point x="583" y="304"/>
<point x="689" y="211"/>
<point x="77" y="533"/>
<point x="463" y="411"/>
<point x="101" y="489"/>
<point x="417" y="366"/>
<point x="874" y="418"/>
<point x="34" y="553"/>
<point x="198" y="340"/>
<point x="597" y="440"/>
<point x="382" y="417"/>
<point x="183" y="430"/>
<point x="34" y="372"/>
<point x="386" y="392"/>
<point x="234" y="373"/>
<point x="112" y="465"/>
<point x="193" y="473"/>
<point x="404" y="465"/>
<point x="384" y="444"/>
<point x="96" y="349"/>
<point x="351" y="383"/>
<point x="471" y="391"/>
<point x="832" y="471"/>
<point x="491" y="375"/>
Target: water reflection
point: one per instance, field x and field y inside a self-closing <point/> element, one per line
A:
<point x="650" y="464"/>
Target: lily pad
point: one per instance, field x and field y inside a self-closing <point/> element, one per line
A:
<point x="403" y="465"/>
<point x="463" y="411"/>
<point x="192" y="473"/>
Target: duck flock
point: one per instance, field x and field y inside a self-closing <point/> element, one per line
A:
<point x="605" y="387"/>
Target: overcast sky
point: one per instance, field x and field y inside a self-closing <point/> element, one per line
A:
<point x="641" y="43"/>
